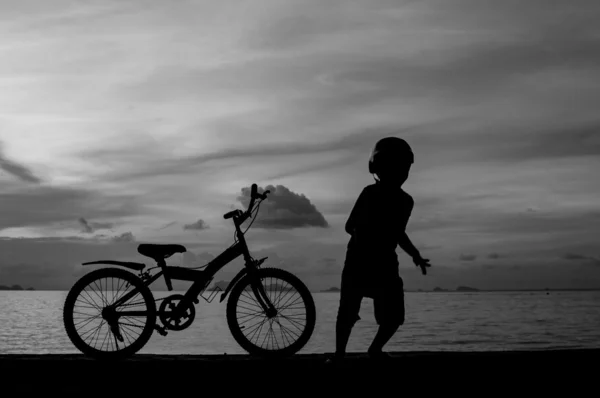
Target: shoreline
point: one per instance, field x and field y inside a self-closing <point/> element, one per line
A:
<point x="423" y="371"/>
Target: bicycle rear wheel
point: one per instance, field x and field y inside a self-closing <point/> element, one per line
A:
<point x="281" y="335"/>
<point x="88" y="322"/>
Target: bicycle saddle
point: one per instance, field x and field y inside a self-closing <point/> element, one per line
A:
<point x="159" y="251"/>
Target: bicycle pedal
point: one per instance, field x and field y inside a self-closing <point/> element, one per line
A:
<point x="161" y="330"/>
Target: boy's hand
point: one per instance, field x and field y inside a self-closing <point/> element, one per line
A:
<point x="422" y="262"/>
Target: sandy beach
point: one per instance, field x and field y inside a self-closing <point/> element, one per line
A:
<point x="472" y="373"/>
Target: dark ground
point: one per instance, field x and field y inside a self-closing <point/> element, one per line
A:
<point x="425" y="373"/>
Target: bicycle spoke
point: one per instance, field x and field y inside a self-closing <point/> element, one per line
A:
<point x="87" y="333"/>
<point x="88" y="307"/>
<point x="273" y="336"/>
<point x="292" y="322"/>
<point x="257" y="324"/>
<point x="97" y="332"/>
<point x="253" y="299"/>
<point x="93" y="305"/>
<point x="105" y="337"/>
<point x="247" y="303"/>
<point x="249" y="313"/>
<point x="250" y="316"/>
<point x="264" y="338"/>
<point x="258" y="328"/>
<point x="290" y="304"/>
<point x="101" y="297"/>
<point x="91" y="298"/>
<point x="126" y="330"/>
<point x="88" y="321"/>
<point x="117" y="296"/>
<point x="284" y="330"/>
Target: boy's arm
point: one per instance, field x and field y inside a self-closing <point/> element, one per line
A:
<point x="406" y="245"/>
<point x="356" y="214"/>
<point x="403" y="240"/>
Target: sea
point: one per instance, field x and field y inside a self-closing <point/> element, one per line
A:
<point x="31" y="323"/>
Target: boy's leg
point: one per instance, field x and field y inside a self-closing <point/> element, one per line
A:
<point x="350" y="301"/>
<point x="389" y="314"/>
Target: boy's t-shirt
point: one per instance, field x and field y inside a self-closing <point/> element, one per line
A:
<point x="377" y="220"/>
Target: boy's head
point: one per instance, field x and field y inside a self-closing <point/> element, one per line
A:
<point x="391" y="160"/>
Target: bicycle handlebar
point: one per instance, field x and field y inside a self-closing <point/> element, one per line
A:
<point x="253" y="196"/>
<point x="232" y="213"/>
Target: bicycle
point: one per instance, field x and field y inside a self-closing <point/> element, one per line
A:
<point x="120" y="316"/>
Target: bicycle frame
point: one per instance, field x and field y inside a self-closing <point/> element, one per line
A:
<point x="201" y="278"/>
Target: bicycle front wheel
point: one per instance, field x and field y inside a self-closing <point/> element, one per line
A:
<point x="282" y="334"/>
<point x="111" y="333"/>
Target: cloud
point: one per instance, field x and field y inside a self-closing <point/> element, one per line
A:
<point x="17" y="170"/>
<point x="580" y="257"/>
<point x="124" y="237"/>
<point x="467" y="257"/>
<point x="167" y="225"/>
<point x="45" y="205"/>
<point x="353" y="141"/>
<point x="86" y="226"/>
<point x="90" y="227"/>
<point x="495" y="256"/>
<point x="284" y="209"/>
<point x="198" y="225"/>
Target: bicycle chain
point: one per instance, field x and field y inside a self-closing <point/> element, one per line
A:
<point x="138" y="303"/>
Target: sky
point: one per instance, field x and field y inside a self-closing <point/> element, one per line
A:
<point x="127" y="122"/>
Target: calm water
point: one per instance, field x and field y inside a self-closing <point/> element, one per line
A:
<point x="31" y="322"/>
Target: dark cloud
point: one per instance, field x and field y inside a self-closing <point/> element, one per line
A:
<point x="467" y="257"/>
<point x="17" y="170"/>
<point x="495" y="256"/>
<point x="90" y="227"/>
<point x="86" y="227"/>
<point x="124" y="237"/>
<point x="582" y="258"/>
<point x="198" y="225"/>
<point x="44" y="205"/>
<point x="284" y="209"/>
<point x="167" y="225"/>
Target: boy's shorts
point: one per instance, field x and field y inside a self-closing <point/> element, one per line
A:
<point x="387" y="294"/>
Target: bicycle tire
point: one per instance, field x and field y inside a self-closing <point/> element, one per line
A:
<point x="69" y="310"/>
<point x="236" y="327"/>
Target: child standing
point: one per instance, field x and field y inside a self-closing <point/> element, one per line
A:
<point x="376" y="225"/>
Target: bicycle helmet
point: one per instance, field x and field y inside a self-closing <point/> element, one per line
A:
<point x="390" y="151"/>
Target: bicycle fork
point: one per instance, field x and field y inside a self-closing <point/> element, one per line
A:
<point x="261" y="296"/>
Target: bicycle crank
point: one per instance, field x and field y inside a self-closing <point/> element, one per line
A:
<point x="176" y="313"/>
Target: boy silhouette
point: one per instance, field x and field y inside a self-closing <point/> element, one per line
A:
<point x="376" y="225"/>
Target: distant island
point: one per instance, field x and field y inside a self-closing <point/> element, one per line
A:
<point x="15" y="287"/>
<point x="331" y="290"/>
<point x="466" y="289"/>
<point x="458" y="289"/>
